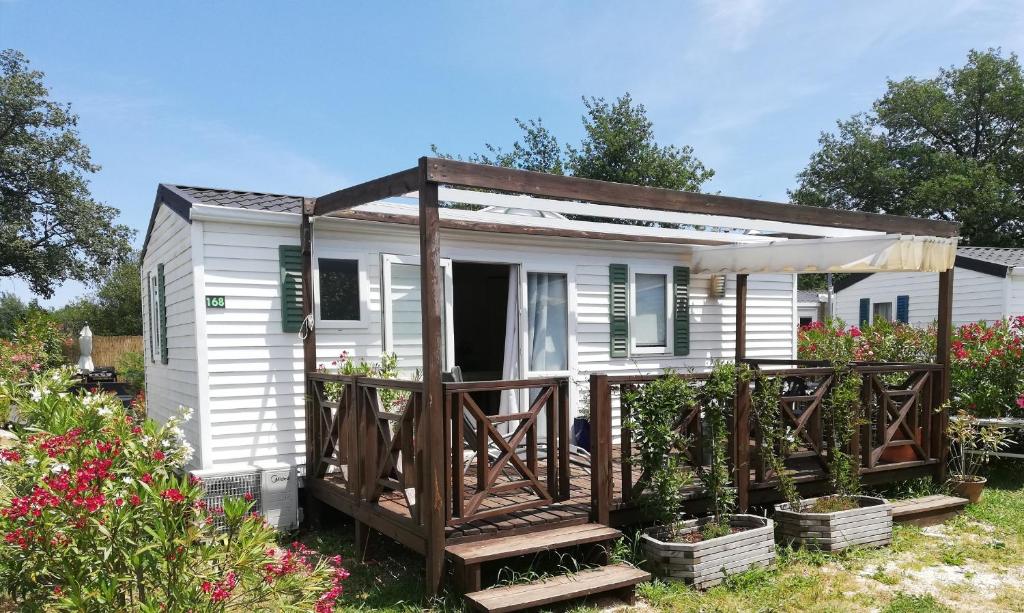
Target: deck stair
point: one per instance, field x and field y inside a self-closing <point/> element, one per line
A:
<point x="927" y="510"/>
<point x="469" y="558"/>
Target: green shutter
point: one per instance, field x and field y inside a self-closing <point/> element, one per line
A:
<point x="290" y="258"/>
<point x="161" y="298"/>
<point x="681" y="310"/>
<point x="618" y="312"/>
<point x="865" y="311"/>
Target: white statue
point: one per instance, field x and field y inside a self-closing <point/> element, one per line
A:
<point x="85" y="364"/>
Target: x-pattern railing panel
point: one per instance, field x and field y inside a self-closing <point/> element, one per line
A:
<point x="897" y="410"/>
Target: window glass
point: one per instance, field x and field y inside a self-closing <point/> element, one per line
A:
<point x="547" y="296"/>
<point x="881" y="310"/>
<point x="339" y="289"/>
<point x="649" y="321"/>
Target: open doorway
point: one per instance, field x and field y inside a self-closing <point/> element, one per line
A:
<point x="481" y="317"/>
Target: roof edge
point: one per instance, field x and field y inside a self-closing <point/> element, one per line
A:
<point x="962" y="261"/>
<point x="176" y="200"/>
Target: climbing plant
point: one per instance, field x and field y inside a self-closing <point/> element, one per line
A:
<point x="716" y="399"/>
<point x="777" y="440"/>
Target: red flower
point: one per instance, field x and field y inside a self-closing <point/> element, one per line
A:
<point x="147" y="478"/>
<point x="158" y="455"/>
<point x="249" y="497"/>
<point x="172" y="495"/>
<point x="135" y="500"/>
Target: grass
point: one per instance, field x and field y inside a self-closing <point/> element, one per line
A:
<point x="985" y="543"/>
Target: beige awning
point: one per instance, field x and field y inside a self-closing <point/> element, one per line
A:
<point x="889" y="252"/>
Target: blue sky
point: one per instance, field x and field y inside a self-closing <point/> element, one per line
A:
<point x="308" y="97"/>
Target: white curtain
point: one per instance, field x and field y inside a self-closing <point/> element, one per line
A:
<point x="509" y="403"/>
<point x="547" y="321"/>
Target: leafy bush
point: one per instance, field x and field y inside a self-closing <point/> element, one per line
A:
<point x="777" y="439"/>
<point x="38" y="343"/>
<point x="654" y="409"/>
<point x="96" y="516"/>
<point x="716" y="399"/>
<point x="131" y="367"/>
<point x="988" y="368"/>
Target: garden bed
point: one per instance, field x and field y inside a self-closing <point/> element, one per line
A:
<point x="869" y="524"/>
<point x="706" y="563"/>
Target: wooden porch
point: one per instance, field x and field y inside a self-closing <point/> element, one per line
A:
<point x="421" y="462"/>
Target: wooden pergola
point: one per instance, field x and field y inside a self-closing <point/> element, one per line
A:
<point x="430" y="174"/>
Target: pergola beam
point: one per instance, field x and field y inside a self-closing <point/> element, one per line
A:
<point x="465" y="174"/>
<point x="397" y="184"/>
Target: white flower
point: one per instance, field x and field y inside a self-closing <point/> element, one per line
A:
<point x="145" y="439"/>
<point x="59" y="467"/>
<point x="104" y="411"/>
<point x="36" y="395"/>
<point x="186" y="413"/>
<point x="188" y="451"/>
<point x="127" y="480"/>
<point x="31" y="461"/>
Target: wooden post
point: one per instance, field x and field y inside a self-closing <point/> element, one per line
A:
<point x="312" y="416"/>
<point x="432" y="304"/>
<point x="943" y="341"/>
<point x="741" y="409"/>
<point x="600" y="449"/>
<point x="564" y="439"/>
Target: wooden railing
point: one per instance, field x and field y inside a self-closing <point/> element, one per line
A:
<point x="366" y="439"/>
<point x="499" y="464"/>
<point x="899" y="407"/>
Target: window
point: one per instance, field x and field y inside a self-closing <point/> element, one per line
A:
<point x="806" y="321"/>
<point x="650" y="311"/>
<point x="154" y="317"/>
<point x="339" y="290"/>
<point x="547" y="322"/>
<point x="880" y="311"/>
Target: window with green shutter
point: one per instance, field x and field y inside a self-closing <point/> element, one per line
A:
<point x="618" y="309"/>
<point x="162" y="309"/>
<point x="290" y="259"/>
<point x="681" y="310"/>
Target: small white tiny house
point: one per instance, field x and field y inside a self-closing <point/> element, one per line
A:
<point x="223" y="319"/>
<point x="988" y="285"/>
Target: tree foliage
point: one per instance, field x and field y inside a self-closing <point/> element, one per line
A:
<point x="618" y="145"/>
<point x="947" y="147"/>
<point x="51" y="229"/>
<point x="116" y="308"/>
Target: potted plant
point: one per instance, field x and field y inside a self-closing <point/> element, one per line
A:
<point x="701" y="552"/>
<point x="970" y="447"/>
<point x="845" y="518"/>
<point x="581" y="423"/>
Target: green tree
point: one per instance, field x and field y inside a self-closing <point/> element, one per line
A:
<point x="947" y="147"/>
<point x="115" y="310"/>
<point x="618" y="145"/>
<point x="51" y="229"/>
<point x="12" y="310"/>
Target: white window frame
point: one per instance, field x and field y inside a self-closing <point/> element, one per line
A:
<point x="524" y="332"/>
<point x="667" y="349"/>
<point x="333" y="253"/>
<point x="892" y="310"/>
<point x="386" y="260"/>
<point x="154" y="317"/>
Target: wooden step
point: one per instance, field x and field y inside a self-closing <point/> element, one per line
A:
<point x="927" y="510"/>
<point x="615" y="578"/>
<point x="478" y="552"/>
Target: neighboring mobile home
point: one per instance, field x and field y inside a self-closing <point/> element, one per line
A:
<point x="988" y="285"/>
<point x="223" y="318"/>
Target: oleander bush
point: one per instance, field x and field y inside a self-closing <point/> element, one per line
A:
<point x="987" y="378"/>
<point x="97" y="515"/>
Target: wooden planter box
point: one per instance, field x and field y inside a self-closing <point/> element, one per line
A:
<point x="706" y="563"/>
<point x="869" y="525"/>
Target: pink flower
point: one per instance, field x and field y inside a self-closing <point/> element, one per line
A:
<point x="173" y="495"/>
<point x="158" y="455"/>
<point x="147" y="478"/>
<point x="1020" y="401"/>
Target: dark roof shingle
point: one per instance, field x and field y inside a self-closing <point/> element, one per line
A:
<point x="256" y="201"/>
<point x="1011" y="257"/>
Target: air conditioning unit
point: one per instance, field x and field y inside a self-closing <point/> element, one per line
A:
<point x="274" y="487"/>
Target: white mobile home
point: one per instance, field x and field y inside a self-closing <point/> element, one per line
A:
<point x="223" y="327"/>
<point x="988" y="285"/>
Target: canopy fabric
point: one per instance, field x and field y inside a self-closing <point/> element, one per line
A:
<point x="888" y="253"/>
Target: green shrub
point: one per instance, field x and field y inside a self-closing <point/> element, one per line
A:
<point x="96" y="515"/>
<point x="131" y="367"/>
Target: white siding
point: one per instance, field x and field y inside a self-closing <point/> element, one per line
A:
<point x="1016" y="301"/>
<point x="255" y="370"/>
<point x="976" y="296"/>
<point x="172" y="385"/>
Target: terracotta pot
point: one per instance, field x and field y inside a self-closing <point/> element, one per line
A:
<point x="903" y="453"/>
<point x="971" y="490"/>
